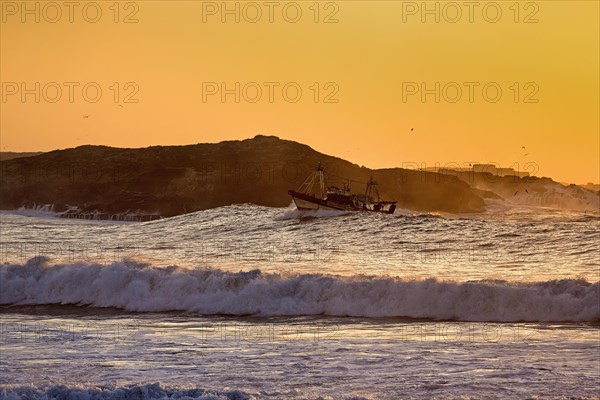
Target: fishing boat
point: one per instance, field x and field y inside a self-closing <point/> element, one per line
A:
<point x="314" y="194"/>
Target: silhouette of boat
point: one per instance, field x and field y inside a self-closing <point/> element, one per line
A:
<point x="314" y="194"/>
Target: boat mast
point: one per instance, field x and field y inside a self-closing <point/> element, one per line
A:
<point x="372" y="188"/>
<point x="307" y="186"/>
<point x="321" y="180"/>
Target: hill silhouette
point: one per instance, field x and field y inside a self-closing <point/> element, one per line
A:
<point x="9" y="155"/>
<point x="172" y="180"/>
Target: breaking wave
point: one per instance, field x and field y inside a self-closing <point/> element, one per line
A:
<point x="148" y="391"/>
<point x="139" y="287"/>
<point x="38" y="210"/>
<point x="142" y="392"/>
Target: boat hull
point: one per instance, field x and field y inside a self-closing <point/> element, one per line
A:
<point x="306" y="202"/>
<point x="305" y="205"/>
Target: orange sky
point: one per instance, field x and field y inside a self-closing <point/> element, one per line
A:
<point x="372" y="57"/>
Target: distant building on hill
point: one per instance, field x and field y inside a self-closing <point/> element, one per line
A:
<point x="492" y="169"/>
<point x="481" y="168"/>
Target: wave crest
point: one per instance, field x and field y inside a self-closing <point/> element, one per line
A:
<point x="139" y="287"/>
<point x="146" y="391"/>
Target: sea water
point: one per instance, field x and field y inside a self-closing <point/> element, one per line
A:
<point x="245" y="302"/>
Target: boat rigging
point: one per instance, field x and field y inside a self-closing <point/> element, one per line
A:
<point x="314" y="194"/>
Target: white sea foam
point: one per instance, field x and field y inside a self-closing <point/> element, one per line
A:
<point x="149" y="391"/>
<point x="143" y="392"/>
<point x="140" y="287"/>
<point x="294" y="213"/>
<point x="38" y="210"/>
<point x="557" y="196"/>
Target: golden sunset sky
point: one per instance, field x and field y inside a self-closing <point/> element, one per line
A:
<point x="361" y="67"/>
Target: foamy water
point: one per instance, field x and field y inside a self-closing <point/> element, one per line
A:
<point x="132" y="286"/>
<point x="248" y="302"/>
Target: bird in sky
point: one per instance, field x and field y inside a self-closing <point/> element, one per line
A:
<point x="86" y="116"/>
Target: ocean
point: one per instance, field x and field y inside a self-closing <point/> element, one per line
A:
<point x="250" y="302"/>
